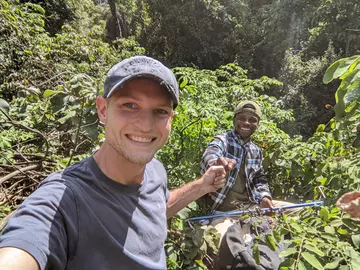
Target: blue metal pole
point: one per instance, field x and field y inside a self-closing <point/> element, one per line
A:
<point x="264" y="210"/>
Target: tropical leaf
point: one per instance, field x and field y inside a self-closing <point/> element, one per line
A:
<point x="314" y="249"/>
<point x="4" y="106"/>
<point x="334" y="264"/>
<point x="311" y="259"/>
<point x="287" y="252"/>
<point x="48" y="93"/>
<point x="338" y="68"/>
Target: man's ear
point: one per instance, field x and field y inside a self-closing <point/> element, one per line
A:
<point x="101" y="106"/>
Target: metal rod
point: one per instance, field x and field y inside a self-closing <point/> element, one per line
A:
<point x="264" y="210"/>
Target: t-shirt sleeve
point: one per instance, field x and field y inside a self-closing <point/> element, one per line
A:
<point x="45" y="226"/>
<point x="167" y="194"/>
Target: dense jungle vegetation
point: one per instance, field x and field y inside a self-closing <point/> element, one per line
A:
<point x="300" y="60"/>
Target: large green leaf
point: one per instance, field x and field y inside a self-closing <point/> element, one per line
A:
<point x="324" y="214"/>
<point x="270" y="241"/>
<point x="338" y="68"/>
<point x="287" y="252"/>
<point x="311" y="259"/>
<point x="302" y="266"/>
<point x="256" y="253"/>
<point x="339" y="108"/>
<point x="334" y="264"/>
<point x="314" y="249"/>
<point x="4" y="106"/>
<point x="48" y="93"/>
<point x="198" y="237"/>
<point x="184" y="213"/>
<point x="353" y="92"/>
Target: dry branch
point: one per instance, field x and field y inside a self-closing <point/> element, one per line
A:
<point x="21" y="170"/>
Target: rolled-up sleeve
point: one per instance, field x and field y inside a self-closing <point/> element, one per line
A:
<point x="213" y="151"/>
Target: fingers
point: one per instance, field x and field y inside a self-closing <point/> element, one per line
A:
<point x="352" y="207"/>
<point x="219" y="179"/>
<point x="227" y="163"/>
<point x="219" y="184"/>
<point x="222" y="161"/>
<point x="231" y="164"/>
<point x="217" y="170"/>
<point x="352" y="211"/>
<point x="348" y="197"/>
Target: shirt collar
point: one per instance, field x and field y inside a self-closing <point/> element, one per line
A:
<point x="238" y="138"/>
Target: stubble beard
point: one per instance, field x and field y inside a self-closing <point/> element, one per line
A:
<point x="141" y="158"/>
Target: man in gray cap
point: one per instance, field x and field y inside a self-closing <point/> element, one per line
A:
<point x="109" y="211"/>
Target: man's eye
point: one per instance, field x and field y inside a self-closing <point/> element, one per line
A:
<point x="253" y="120"/>
<point x="129" y="105"/>
<point x="161" y="112"/>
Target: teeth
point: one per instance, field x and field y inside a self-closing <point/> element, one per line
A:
<point x="140" y="139"/>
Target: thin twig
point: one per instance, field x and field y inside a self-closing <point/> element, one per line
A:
<point x="16" y="168"/>
<point x="57" y="75"/>
<point x="21" y="170"/>
<point x="18" y="124"/>
<point x="298" y="257"/>
<point x="12" y="196"/>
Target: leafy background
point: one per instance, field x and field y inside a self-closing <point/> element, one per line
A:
<point x="298" y="59"/>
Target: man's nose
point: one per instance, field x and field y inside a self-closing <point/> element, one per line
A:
<point x="145" y="120"/>
<point x="246" y="121"/>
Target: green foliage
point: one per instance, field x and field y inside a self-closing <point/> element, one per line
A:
<point x="304" y="92"/>
<point x="320" y="239"/>
<point x="348" y="71"/>
<point x="326" y="164"/>
<point x="196" y="32"/>
<point x="48" y="85"/>
<point x="51" y="84"/>
<point x="208" y="99"/>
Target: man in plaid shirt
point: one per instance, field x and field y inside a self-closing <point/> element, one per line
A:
<point x="235" y="149"/>
<point x="246" y="185"/>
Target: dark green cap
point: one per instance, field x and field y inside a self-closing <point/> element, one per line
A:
<point x="240" y="108"/>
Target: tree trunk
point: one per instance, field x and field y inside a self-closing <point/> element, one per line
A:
<point x="116" y="31"/>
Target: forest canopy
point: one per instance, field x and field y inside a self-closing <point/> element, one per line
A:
<point x="300" y="60"/>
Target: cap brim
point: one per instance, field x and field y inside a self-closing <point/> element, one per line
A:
<point x="144" y="75"/>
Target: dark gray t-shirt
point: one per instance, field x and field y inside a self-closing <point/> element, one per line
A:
<point x="80" y="219"/>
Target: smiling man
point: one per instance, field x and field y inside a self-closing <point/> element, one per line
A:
<point x="246" y="184"/>
<point x="109" y="211"/>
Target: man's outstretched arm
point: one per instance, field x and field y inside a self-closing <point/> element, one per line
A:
<point x="212" y="180"/>
<point x="17" y="259"/>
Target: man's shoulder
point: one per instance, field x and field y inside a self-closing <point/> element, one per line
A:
<point x="225" y="136"/>
<point x="67" y="174"/>
<point x="156" y="165"/>
<point x="253" y="145"/>
<point x="255" y="150"/>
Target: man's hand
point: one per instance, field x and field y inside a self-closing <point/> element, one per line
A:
<point x="266" y="203"/>
<point x="227" y="163"/>
<point x="214" y="178"/>
<point x="350" y="203"/>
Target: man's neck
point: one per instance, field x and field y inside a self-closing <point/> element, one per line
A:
<point x="246" y="140"/>
<point x="117" y="167"/>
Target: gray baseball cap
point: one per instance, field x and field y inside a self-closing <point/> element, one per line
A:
<point x="141" y="67"/>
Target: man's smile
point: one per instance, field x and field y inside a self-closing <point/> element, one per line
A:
<point x="140" y="139"/>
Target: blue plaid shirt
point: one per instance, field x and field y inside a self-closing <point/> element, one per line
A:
<point x="232" y="146"/>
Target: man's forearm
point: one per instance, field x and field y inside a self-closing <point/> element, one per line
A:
<point x="181" y="197"/>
